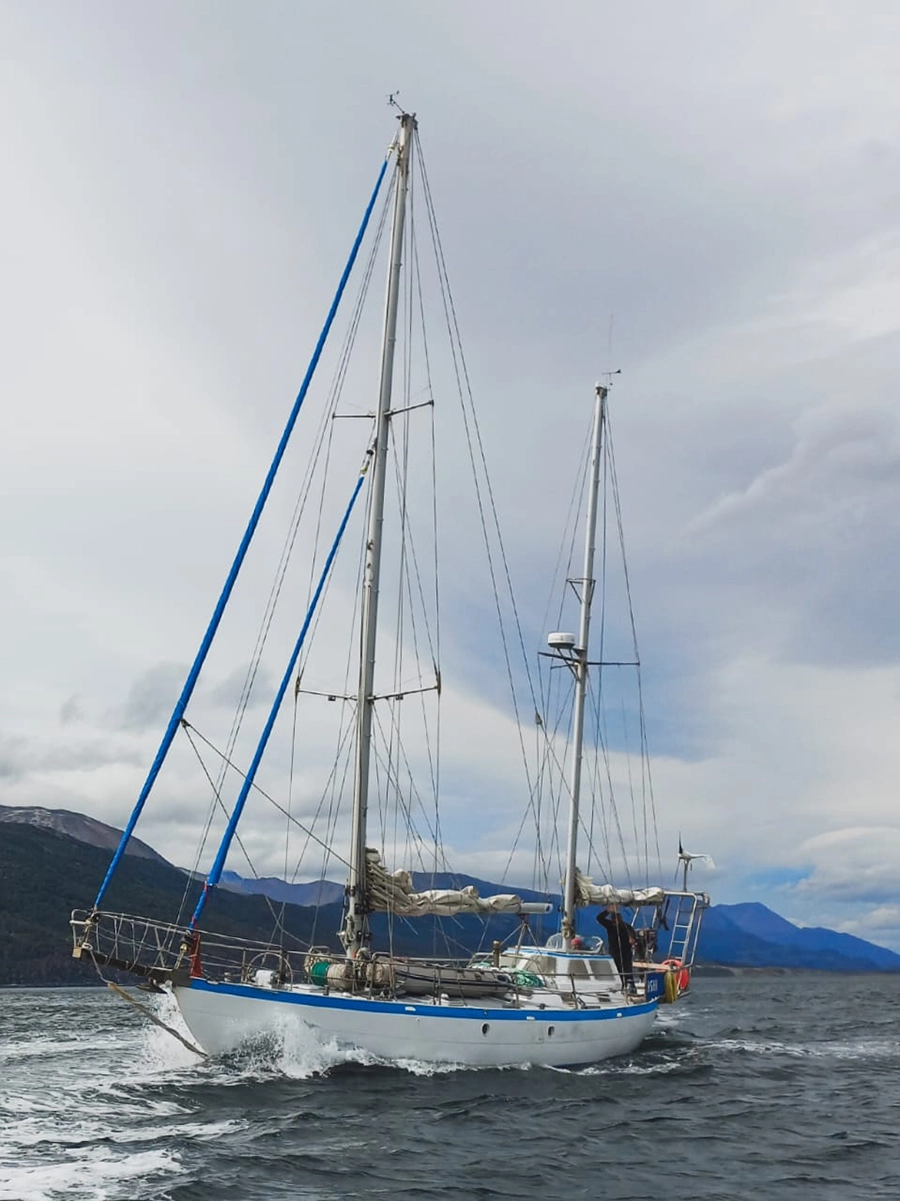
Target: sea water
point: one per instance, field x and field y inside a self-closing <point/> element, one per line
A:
<point x="758" y="1086"/>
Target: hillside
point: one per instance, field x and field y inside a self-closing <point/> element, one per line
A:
<point x="44" y="875"/>
<point x="327" y="892"/>
<point x="743" y="935"/>
<point x="751" y="935"/>
<point x="319" y="892"/>
<point x="79" y="826"/>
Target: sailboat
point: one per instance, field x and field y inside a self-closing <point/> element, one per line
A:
<point x="562" y="1000"/>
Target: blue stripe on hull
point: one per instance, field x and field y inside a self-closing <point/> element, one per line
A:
<point x="475" y="1013"/>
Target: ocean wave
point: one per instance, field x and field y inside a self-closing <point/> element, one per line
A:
<point x="861" y="1048"/>
<point x="32" y="1134"/>
<point x="95" y="1175"/>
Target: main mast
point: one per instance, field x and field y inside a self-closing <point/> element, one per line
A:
<point x="354" y="930"/>
<point x="579" y="664"/>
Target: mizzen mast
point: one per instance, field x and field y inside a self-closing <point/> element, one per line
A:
<point x="354" y="930"/>
<point x="578" y="660"/>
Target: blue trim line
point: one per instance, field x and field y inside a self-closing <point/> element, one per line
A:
<point x="476" y="1013"/>
<point x="190" y="682"/>
<point x="216" y="870"/>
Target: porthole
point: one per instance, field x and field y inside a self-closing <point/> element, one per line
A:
<point x="551" y="1030"/>
<point x="485" y="1028"/>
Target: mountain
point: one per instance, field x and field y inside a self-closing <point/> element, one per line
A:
<point x="44" y="875"/>
<point x="425" y="880"/>
<point x="448" y="937"/>
<point x="51" y="863"/>
<point x="743" y="935"/>
<point x="319" y="892"/>
<point x="79" y="826"/>
<point x="751" y="935"/>
<point x="326" y="892"/>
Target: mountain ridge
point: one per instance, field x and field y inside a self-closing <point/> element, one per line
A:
<point x="78" y="826"/>
<point x="41" y="863"/>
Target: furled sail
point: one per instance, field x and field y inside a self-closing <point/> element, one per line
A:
<point x="589" y="893"/>
<point x="393" y="892"/>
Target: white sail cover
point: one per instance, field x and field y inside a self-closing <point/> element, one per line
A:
<point x="393" y="892"/>
<point x="589" y="893"/>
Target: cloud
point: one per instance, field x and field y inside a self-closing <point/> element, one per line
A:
<point x="152" y="697"/>
<point x="805" y="549"/>
<point x="878" y="925"/>
<point x="230" y="692"/>
<point x="51" y="770"/>
<point x="844" y="866"/>
<point x="70" y="711"/>
<point x="12" y="757"/>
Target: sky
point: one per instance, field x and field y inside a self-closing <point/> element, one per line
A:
<point x="704" y="196"/>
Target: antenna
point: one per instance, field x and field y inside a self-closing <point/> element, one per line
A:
<point x="608" y="374"/>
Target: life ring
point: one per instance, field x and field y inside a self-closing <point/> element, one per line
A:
<point x="682" y="975"/>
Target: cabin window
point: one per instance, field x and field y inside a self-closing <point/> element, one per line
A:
<point x="602" y="967"/>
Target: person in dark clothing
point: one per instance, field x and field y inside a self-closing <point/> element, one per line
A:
<point x="618" y="935"/>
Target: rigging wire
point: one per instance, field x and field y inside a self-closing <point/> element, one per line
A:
<point x="400" y="477"/>
<point x="325" y="424"/>
<point x="393" y="764"/>
<point x="604" y="807"/>
<point x="645" y="749"/>
<point x="322" y="438"/>
<point x="238" y="561"/>
<point x="470" y="422"/>
<point x="551" y="732"/>
<point x="434" y="642"/>
<point x="188" y="729"/>
<point x="267" y="797"/>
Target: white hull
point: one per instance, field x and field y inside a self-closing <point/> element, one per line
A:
<point x="224" y="1017"/>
